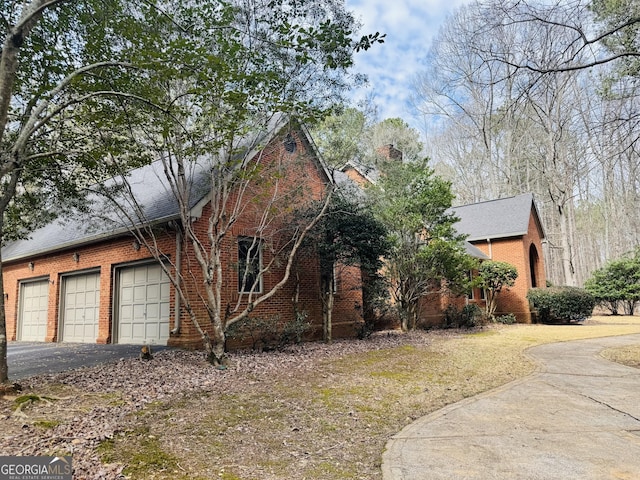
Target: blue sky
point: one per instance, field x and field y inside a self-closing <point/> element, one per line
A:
<point x="410" y="26"/>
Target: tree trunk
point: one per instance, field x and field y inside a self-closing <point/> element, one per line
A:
<point x="327" y="308"/>
<point x="215" y="349"/>
<point x="567" y="250"/>
<point x="368" y="291"/>
<point x="408" y="315"/>
<point x="4" y="367"/>
<point x="8" y="194"/>
<point x="404" y="323"/>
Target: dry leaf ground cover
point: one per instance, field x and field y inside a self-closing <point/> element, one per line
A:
<point x="312" y="412"/>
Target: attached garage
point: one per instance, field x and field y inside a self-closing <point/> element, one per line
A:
<point x="32" y="310"/>
<point x="80" y="307"/>
<point x="143" y="305"/>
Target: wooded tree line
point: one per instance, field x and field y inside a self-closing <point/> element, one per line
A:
<point x="543" y="97"/>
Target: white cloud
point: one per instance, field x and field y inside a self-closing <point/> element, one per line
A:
<point x="410" y="26"/>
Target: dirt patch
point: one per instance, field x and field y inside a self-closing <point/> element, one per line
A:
<point x="312" y="412"/>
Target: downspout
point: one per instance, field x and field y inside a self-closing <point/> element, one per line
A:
<point x="490" y="249"/>
<point x="177" y="303"/>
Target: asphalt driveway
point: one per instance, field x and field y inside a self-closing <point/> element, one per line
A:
<point x="26" y="359"/>
<point x="576" y="418"/>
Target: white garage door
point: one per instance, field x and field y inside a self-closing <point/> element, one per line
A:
<point x="33" y="307"/>
<point x="143" y="305"/>
<point x="80" y="310"/>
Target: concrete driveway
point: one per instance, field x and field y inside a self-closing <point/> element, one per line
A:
<point x="576" y="418"/>
<point x="35" y="358"/>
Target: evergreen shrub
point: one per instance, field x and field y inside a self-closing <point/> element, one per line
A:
<point x="561" y="304"/>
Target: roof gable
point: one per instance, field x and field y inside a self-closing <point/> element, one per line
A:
<point x="501" y="218"/>
<point x="153" y="196"/>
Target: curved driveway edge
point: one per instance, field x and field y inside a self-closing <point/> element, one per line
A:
<point x="576" y="418"/>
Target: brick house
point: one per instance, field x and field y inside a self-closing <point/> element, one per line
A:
<point x="506" y="229"/>
<point x="87" y="279"/>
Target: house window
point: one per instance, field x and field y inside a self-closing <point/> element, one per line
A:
<point x="470" y="291"/>
<point x="249" y="265"/>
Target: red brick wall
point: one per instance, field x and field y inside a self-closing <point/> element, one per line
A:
<point x="103" y="256"/>
<point x="356" y="177"/>
<point x="516" y="252"/>
<point x="300" y="181"/>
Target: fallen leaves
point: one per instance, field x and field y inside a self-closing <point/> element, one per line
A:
<point x="98" y="404"/>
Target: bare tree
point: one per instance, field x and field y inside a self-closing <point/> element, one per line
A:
<point x="506" y="129"/>
<point x="583" y="40"/>
<point x="233" y="159"/>
<point x="258" y="192"/>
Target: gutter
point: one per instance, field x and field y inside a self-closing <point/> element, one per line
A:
<point x="177" y="303"/>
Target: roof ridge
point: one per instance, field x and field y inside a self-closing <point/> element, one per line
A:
<point x="495" y="200"/>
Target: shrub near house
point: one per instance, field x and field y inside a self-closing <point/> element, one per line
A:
<point x="561" y="304"/>
<point x="492" y="278"/>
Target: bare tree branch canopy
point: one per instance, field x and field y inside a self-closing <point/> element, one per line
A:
<point x="587" y="37"/>
<point x="543" y="97"/>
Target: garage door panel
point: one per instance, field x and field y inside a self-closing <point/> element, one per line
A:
<point x="153" y="292"/>
<point x="81" y="304"/>
<point x="155" y="274"/>
<point x="126" y="294"/>
<point x="138" y="331"/>
<point x="153" y="311"/>
<point x="33" y="310"/>
<point x="92" y="296"/>
<point x="143" y="305"/>
<point x="139" y="293"/>
<point x="91" y="316"/>
<point x="151" y="330"/>
<point x="125" y="330"/>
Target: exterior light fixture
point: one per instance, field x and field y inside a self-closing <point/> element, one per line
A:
<point x="136" y="245"/>
<point x="76" y="257"/>
<point x="31" y="266"/>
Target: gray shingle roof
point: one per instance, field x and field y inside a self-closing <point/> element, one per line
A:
<point x="156" y="202"/>
<point x="475" y="252"/>
<point x="501" y="218"/>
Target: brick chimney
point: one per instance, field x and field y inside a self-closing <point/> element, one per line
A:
<point x="389" y="152"/>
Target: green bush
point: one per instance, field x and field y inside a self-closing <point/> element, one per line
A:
<point x="468" y="316"/>
<point x="261" y="332"/>
<point x="616" y="284"/>
<point x="508" y="319"/>
<point x="270" y="333"/>
<point x="294" y="330"/>
<point x="561" y="304"/>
